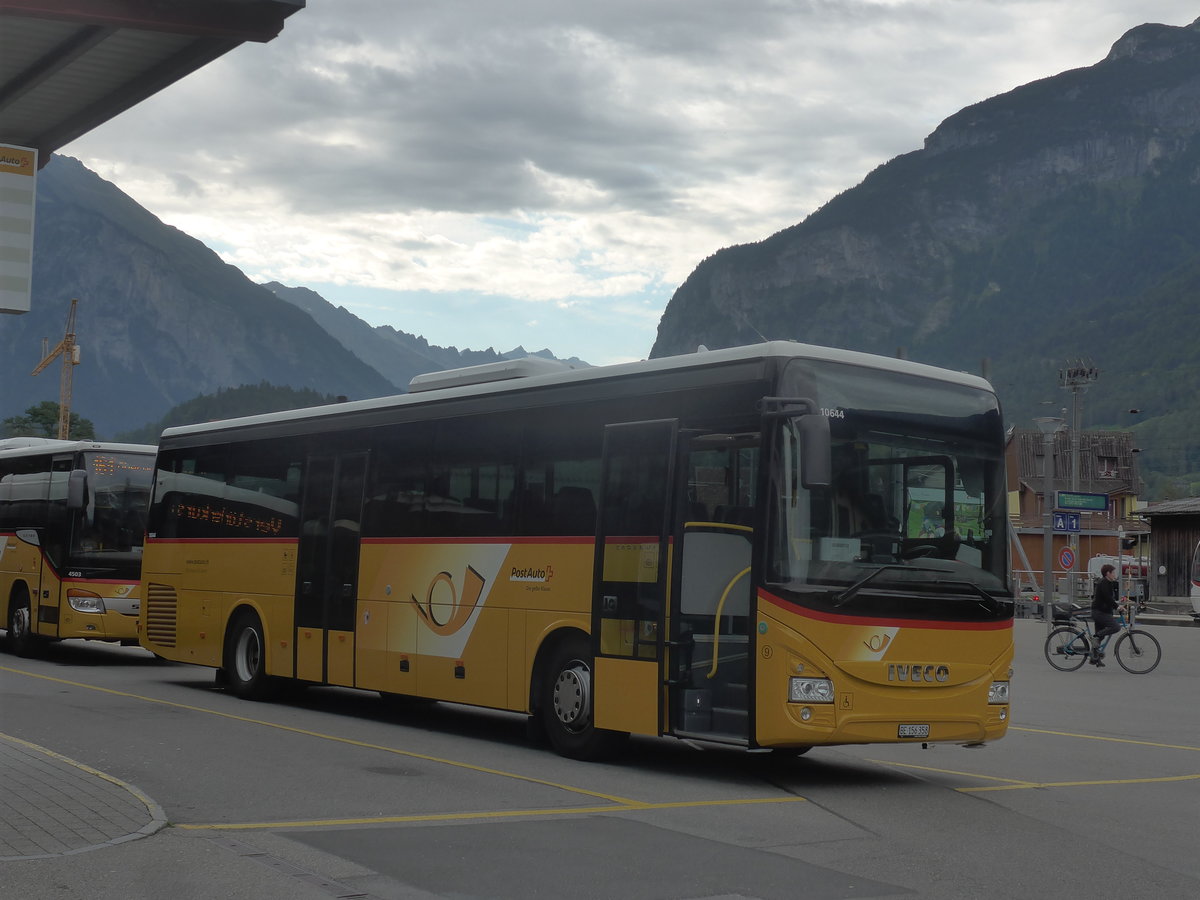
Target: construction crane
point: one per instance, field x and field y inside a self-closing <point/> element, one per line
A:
<point x="69" y="351"/>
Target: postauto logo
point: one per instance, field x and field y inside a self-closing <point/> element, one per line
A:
<point x="460" y="606"/>
<point x="536" y="574"/>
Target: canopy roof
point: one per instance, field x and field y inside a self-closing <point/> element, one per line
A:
<point x="67" y="66"/>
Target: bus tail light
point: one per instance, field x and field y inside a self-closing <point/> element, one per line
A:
<point x="85" y="601"/>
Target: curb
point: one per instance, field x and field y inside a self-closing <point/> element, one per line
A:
<point x="55" y="806"/>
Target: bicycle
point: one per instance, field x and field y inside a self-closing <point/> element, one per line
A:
<point x="1070" y="644"/>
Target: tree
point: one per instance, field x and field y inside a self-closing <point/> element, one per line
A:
<point x="42" y="421"/>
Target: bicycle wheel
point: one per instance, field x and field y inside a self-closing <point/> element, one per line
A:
<point x="1138" y="651"/>
<point x="1067" y="648"/>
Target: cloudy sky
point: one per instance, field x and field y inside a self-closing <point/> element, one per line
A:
<point x="547" y="172"/>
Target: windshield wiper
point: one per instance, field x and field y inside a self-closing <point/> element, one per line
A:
<point x="990" y="603"/>
<point x="848" y="594"/>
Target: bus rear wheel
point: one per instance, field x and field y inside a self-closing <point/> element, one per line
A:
<point x="567" y="704"/>
<point x="246" y="660"/>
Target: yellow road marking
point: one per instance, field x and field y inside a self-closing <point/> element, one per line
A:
<point x="1018" y="784"/>
<point x="1013" y="782"/>
<point x="619" y="803"/>
<point x="492" y="814"/>
<point x="1100" y="737"/>
<point x="1057" y="784"/>
<point x="623" y="801"/>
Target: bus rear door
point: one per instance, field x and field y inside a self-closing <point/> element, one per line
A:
<point x="327" y="568"/>
<point x="632" y="567"/>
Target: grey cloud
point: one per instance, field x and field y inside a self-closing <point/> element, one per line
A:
<point x="449" y="106"/>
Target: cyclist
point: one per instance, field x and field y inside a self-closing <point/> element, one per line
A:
<point x="1105" y="602"/>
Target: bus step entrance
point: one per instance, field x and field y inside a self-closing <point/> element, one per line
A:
<point x="716" y="711"/>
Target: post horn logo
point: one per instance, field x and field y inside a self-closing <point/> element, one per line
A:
<point x="878" y="642"/>
<point x="460" y="607"/>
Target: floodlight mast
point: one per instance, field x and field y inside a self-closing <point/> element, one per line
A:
<point x="1076" y="377"/>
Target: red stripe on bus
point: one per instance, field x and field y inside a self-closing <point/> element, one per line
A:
<point x="524" y="539"/>
<point x="387" y="540"/>
<point x="247" y="540"/>
<point x="99" y="581"/>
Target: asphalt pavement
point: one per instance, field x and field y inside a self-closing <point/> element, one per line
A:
<point x="53" y="808"/>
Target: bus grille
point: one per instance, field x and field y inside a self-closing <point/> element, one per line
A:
<point x="161" y="614"/>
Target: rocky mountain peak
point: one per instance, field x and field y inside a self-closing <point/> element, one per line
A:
<point x="1059" y="218"/>
<point x="1156" y="43"/>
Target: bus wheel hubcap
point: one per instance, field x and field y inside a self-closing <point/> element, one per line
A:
<point x="20" y="621"/>
<point x="247" y="655"/>
<point x="572" y="695"/>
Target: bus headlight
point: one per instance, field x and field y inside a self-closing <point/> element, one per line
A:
<point x="998" y="692"/>
<point x="810" y="690"/>
<point x="85" y="601"/>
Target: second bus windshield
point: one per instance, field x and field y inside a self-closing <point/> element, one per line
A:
<point x="110" y="528"/>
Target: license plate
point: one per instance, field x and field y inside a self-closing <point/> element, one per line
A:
<point x="914" y="731"/>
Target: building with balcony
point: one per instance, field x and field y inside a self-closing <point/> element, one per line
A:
<point x="1107" y="466"/>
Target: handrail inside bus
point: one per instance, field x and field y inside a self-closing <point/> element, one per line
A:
<point x="717" y="620"/>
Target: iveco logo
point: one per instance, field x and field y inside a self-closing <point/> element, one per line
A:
<point x="918" y="672"/>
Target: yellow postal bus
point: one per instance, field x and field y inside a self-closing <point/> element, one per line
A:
<point x="72" y="521"/>
<point x="743" y="546"/>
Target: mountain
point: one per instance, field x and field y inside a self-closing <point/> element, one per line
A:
<point x="162" y="319"/>
<point x="1059" y="221"/>
<point x="396" y="355"/>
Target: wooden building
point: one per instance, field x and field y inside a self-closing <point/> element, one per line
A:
<point x="1176" y="526"/>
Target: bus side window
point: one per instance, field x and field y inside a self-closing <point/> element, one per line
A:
<point x="574" y="511"/>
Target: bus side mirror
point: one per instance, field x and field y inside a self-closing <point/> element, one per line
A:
<point x="77" y="489"/>
<point x="816" y="467"/>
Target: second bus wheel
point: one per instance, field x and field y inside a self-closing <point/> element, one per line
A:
<point x="245" y="659"/>
<point x="567" y="704"/>
<point x="20" y="639"/>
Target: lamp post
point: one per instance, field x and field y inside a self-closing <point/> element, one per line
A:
<point x="1048" y="426"/>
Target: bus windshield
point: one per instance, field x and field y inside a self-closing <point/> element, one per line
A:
<point x="914" y="517"/>
<point x="108" y="532"/>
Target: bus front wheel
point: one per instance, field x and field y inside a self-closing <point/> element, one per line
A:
<point x="246" y="660"/>
<point x="567" y="704"/>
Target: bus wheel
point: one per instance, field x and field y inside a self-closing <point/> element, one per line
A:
<point x="245" y="660"/>
<point x="566" y="705"/>
<point x="21" y="639"/>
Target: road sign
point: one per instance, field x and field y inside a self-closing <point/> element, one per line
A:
<point x="1075" y="500"/>
<point x="1066" y="521"/>
<point x="1066" y="558"/>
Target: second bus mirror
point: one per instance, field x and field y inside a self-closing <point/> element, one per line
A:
<point x="816" y="468"/>
<point x="77" y="489"/>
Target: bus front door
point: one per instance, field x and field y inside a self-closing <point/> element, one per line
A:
<point x="327" y="568"/>
<point x="710" y="666"/>
<point x="629" y="598"/>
